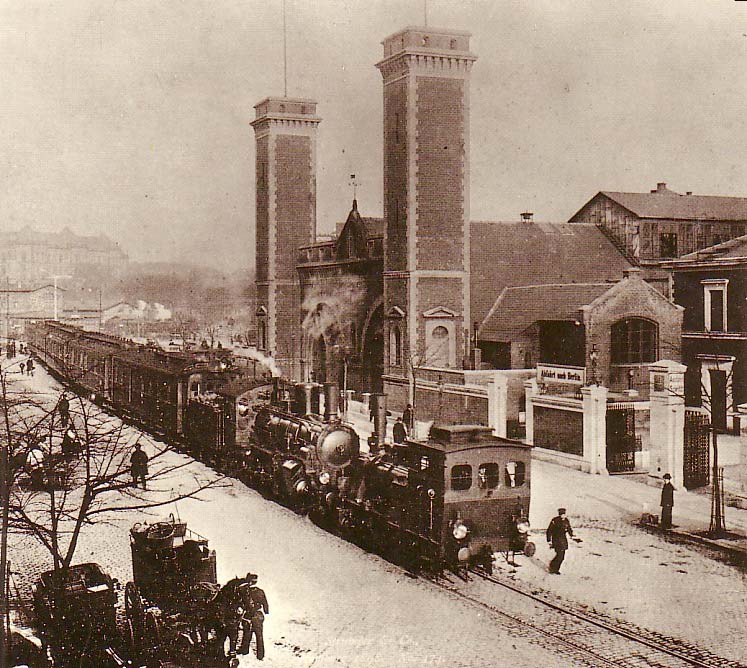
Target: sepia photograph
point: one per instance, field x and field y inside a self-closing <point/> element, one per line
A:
<point x="373" y="333"/>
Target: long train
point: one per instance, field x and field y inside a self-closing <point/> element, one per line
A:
<point x="453" y="499"/>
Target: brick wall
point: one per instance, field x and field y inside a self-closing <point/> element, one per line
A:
<point x="440" y="165"/>
<point x="262" y="212"/>
<point x="294" y="201"/>
<point x="395" y="175"/>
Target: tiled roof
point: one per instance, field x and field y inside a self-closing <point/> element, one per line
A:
<point x="519" y="253"/>
<point x="519" y="307"/>
<point x="669" y="204"/>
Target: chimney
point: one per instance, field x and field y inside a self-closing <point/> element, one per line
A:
<point x="689" y="192"/>
<point x="633" y="272"/>
<point x="527" y="217"/>
<point x="661" y="187"/>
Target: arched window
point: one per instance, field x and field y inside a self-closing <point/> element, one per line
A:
<point x="439" y="352"/>
<point x="634" y="341"/>
<point x="395" y="346"/>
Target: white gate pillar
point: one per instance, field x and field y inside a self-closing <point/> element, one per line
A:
<point x="595" y="428"/>
<point x="742" y="411"/>
<point x="667" y="441"/>
<point x="497" y="404"/>
<point x="531" y="389"/>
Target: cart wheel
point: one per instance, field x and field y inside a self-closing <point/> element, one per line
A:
<point x="529" y="549"/>
<point x="133" y="640"/>
<point x="152" y="631"/>
<point x="134" y="609"/>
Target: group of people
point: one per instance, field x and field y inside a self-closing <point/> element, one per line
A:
<point x="27" y="367"/>
<point x="560" y="528"/>
<point x="10" y="349"/>
<point x="402" y="428"/>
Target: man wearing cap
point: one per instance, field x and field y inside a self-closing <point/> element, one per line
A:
<point x="667" y="502"/>
<point x="557" y="536"/>
<point x="255" y="603"/>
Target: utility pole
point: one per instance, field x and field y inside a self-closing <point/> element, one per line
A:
<point x="100" y="313"/>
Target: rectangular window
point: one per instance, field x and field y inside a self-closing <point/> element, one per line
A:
<point x="668" y="245"/>
<point x="461" y="477"/>
<point x="715" y="305"/>
<point x="489" y="476"/>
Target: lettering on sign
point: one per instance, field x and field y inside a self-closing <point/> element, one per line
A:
<point x="552" y="373"/>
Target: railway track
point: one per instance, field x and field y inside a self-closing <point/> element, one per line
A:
<point x="585" y="636"/>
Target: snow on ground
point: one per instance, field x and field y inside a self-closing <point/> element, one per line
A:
<point x="679" y="590"/>
<point x="331" y="603"/>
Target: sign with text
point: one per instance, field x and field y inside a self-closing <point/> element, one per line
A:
<point x="554" y="373"/>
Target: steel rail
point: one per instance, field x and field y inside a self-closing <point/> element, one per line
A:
<point x="612" y="628"/>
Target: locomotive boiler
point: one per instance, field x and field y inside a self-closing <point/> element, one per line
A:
<point x="300" y="456"/>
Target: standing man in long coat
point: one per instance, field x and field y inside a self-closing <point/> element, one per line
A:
<point x="557" y="536"/>
<point x="667" y="502"/>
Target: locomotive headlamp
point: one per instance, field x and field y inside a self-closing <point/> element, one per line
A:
<point x="324" y="478"/>
<point x="460" y="531"/>
<point x="301" y="487"/>
<point x="431" y="493"/>
<point x="522" y="526"/>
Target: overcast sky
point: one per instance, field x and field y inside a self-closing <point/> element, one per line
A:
<point x="131" y="117"/>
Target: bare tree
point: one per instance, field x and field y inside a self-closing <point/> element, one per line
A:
<point x="90" y="482"/>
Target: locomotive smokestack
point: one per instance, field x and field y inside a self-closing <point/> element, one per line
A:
<point x="275" y="396"/>
<point x="330" y="401"/>
<point x="302" y="399"/>
<point x="379" y="417"/>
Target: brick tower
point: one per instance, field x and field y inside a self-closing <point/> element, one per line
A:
<point x="426" y="202"/>
<point x="285" y="133"/>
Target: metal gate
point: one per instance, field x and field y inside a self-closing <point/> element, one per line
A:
<point x="621" y="439"/>
<point x="697" y="457"/>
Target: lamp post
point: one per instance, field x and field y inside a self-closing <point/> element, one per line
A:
<point x="55" y="277"/>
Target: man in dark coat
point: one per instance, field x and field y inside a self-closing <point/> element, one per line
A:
<point x="667" y="502"/>
<point x="399" y="432"/>
<point x="407" y="418"/>
<point x="63" y="408"/>
<point x="138" y="465"/>
<point x="255" y="603"/>
<point x="557" y="536"/>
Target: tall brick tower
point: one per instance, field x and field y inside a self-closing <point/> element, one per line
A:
<point x="285" y="133"/>
<point x="426" y="201"/>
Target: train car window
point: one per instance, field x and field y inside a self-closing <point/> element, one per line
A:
<point x="489" y="476"/>
<point x="461" y="477"/>
<point x="515" y="474"/>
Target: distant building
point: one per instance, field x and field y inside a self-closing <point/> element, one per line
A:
<point x="18" y="306"/>
<point x="663" y="224"/>
<point x="29" y="257"/>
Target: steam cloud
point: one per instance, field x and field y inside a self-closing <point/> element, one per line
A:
<point x="268" y="361"/>
<point x="329" y="307"/>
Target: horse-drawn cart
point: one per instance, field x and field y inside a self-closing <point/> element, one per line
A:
<point x="170" y="605"/>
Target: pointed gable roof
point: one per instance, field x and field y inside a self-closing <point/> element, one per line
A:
<point x="668" y="204"/>
<point x="352" y="244"/>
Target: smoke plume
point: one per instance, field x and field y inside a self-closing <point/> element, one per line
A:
<point x="330" y="307"/>
<point x="266" y="360"/>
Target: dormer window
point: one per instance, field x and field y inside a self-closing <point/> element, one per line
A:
<point x="714" y="305"/>
<point x="426" y="40"/>
<point x="453" y="44"/>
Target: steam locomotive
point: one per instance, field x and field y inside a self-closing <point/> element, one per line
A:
<point x="452" y="499"/>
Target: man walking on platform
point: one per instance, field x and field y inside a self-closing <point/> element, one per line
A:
<point x="139" y="465"/>
<point x="557" y="536"/>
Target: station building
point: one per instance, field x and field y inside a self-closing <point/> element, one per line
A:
<point x="423" y="291"/>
